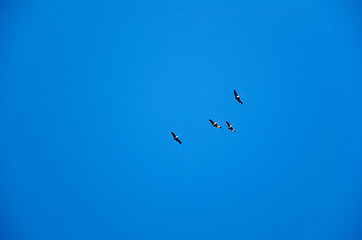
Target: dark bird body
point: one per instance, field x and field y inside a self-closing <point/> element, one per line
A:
<point x="237" y="97"/>
<point x="230" y="126"/>
<point x="176" y="137"/>
<point x="214" y="124"/>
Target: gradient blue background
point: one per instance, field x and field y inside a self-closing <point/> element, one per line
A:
<point x="90" y="91"/>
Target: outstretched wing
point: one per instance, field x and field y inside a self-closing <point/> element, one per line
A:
<point x="228" y="123"/>
<point x="178" y="140"/>
<point x="174" y="135"/>
<point x="212" y="122"/>
<point x="239" y="101"/>
<point x="235" y="93"/>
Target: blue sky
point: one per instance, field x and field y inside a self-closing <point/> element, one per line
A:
<point x="90" y="91"/>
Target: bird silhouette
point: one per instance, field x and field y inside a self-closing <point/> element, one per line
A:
<point x="237" y="97"/>
<point x="176" y="138"/>
<point x="230" y="126"/>
<point x="214" y="124"/>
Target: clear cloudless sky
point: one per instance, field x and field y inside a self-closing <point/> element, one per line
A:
<point x="90" y="91"/>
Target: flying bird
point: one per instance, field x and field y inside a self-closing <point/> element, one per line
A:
<point x="176" y="137"/>
<point x="214" y="124"/>
<point x="230" y="126"/>
<point x="237" y="97"/>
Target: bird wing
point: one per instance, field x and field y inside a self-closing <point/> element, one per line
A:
<point x="239" y="101"/>
<point x="178" y="140"/>
<point x="228" y="123"/>
<point x="174" y="135"/>
<point x="235" y="93"/>
<point x="212" y="122"/>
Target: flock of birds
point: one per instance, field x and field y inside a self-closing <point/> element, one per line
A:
<point x="214" y="124"/>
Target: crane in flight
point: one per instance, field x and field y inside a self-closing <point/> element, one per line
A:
<point x="214" y="124"/>
<point x="176" y="137"/>
<point x="237" y="97"/>
<point x="230" y="126"/>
